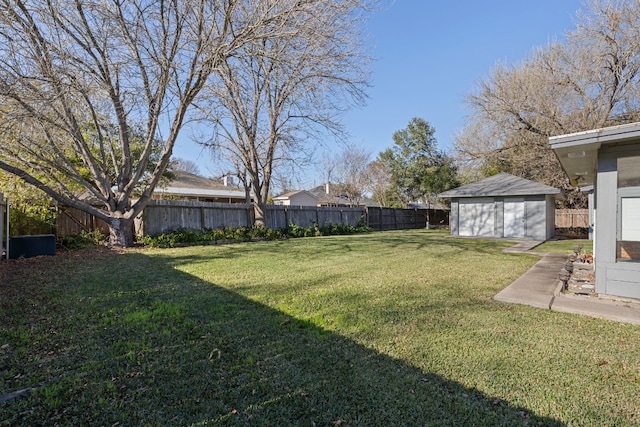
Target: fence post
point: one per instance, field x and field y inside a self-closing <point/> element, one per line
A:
<point x="286" y="217"/>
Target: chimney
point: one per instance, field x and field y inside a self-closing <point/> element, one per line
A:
<point x="326" y="188"/>
<point x="227" y="181"/>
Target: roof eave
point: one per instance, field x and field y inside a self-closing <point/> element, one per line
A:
<point x="578" y="152"/>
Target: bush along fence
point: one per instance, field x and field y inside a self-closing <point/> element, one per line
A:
<point x="184" y="237"/>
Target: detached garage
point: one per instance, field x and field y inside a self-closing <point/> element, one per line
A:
<point x="503" y="206"/>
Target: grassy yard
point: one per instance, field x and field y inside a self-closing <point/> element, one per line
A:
<point x="565" y="246"/>
<point x="378" y="329"/>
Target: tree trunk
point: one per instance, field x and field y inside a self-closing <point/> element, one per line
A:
<point x="121" y="233"/>
<point x="259" y="214"/>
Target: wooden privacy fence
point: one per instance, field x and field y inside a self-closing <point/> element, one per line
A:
<point x="572" y="218"/>
<point x="161" y="216"/>
<point x="71" y="222"/>
<point x="380" y="218"/>
<point x="281" y="216"/>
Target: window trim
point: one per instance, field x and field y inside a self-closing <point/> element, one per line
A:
<point x="623" y="193"/>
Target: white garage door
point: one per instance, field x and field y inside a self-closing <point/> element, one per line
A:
<point x="476" y="217"/>
<point x="514" y="217"/>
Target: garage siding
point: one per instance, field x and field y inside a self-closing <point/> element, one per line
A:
<point x="485" y="217"/>
<point x="477" y="217"/>
<point x="536" y="218"/>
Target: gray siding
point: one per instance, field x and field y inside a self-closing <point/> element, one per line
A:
<point x="612" y="278"/>
<point x="499" y="221"/>
<point x="454" y="218"/>
<point x="551" y="217"/>
<point x="535" y="212"/>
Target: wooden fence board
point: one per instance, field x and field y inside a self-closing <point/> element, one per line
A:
<point x="572" y="218"/>
<point x="71" y="222"/>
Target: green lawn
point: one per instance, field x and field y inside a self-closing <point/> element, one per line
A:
<point x="565" y="246"/>
<point x="378" y="329"/>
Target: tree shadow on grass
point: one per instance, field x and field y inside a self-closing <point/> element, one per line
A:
<point x="418" y="239"/>
<point x="179" y="351"/>
<point x="407" y="240"/>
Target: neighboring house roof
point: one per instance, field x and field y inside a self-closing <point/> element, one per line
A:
<point x="501" y="185"/>
<point x="320" y="192"/>
<point x="291" y="194"/>
<point x="189" y="185"/>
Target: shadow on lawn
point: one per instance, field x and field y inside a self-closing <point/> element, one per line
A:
<point x="179" y="351"/>
<point x="441" y="245"/>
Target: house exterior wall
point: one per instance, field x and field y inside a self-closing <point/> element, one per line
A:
<point x="298" y="199"/>
<point x="303" y="199"/>
<point x="612" y="277"/>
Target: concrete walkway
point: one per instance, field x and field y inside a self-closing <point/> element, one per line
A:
<point x="540" y="287"/>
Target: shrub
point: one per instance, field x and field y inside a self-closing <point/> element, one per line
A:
<point x="573" y="232"/>
<point x="82" y="240"/>
<point x="164" y="240"/>
<point x="295" y="230"/>
<point x="242" y="234"/>
<point x="215" y="234"/>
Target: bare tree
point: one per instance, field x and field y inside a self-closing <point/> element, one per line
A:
<point x="185" y="165"/>
<point x="95" y="92"/>
<point x="590" y="81"/>
<point x="380" y="184"/>
<point x="351" y="174"/>
<point x="277" y="94"/>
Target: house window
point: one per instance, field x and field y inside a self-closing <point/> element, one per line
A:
<point x="628" y="235"/>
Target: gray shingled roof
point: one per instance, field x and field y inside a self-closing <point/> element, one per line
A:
<point x="501" y="185"/>
<point x="188" y="180"/>
<point x="293" y="193"/>
<point x="321" y="194"/>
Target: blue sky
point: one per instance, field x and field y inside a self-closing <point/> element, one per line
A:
<point x="430" y="56"/>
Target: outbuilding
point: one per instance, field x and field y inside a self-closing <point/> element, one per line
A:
<point x="503" y="205"/>
<point x="609" y="159"/>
